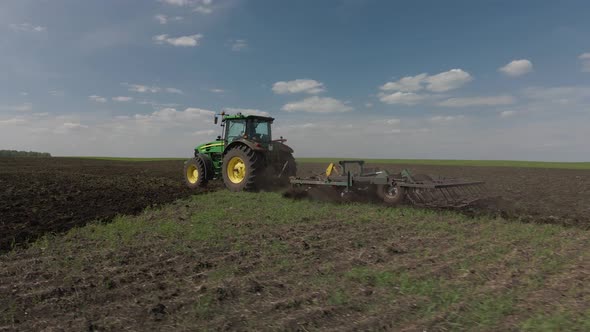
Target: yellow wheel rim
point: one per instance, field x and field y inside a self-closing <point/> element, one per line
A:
<point x="236" y="170"/>
<point x="192" y="174"/>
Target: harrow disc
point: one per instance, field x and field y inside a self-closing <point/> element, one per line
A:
<point x="430" y="192"/>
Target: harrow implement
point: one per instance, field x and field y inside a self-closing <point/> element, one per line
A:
<point x="350" y="177"/>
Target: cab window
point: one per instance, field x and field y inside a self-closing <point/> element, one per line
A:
<point x="260" y="131"/>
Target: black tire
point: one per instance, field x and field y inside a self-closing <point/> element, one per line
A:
<point x="391" y="194"/>
<point x="195" y="173"/>
<point x="244" y="174"/>
<point x="291" y="169"/>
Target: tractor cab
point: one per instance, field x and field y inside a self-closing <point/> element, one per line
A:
<point x="252" y="128"/>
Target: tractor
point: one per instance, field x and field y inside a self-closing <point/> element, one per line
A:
<point x="245" y="156"/>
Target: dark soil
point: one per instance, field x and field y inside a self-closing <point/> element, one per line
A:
<point x="48" y="195"/>
<point x="39" y="196"/>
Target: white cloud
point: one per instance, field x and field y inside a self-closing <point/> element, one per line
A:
<point x="174" y="90"/>
<point x="73" y="125"/>
<point x="239" y="45"/>
<point x="478" y="101"/>
<point x="25" y="107"/>
<point x="368" y="105"/>
<point x="174" y="117"/>
<point x="317" y="104"/>
<point x="27" y="27"/>
<point x="448" y="80"/>
<point x="245" y="111"/>
<point x="203" y="10"/>
<point x="24" y="94"/>
<point x="182" y="41"/>
<point x="506" y="114"/>
<point x="393" y="121"/>
<point x="199" y="6"/>
<point x="585" y="58"/>
<point x="405" y="98"/>
<point x="142" y="88"/>
<point x="164" y="19"/>
<point x="13" y="122"/>
<point x="57" y="93"/>
<point x="122" y="99"/>
<point x="204" y="132"/>
<point x="404" y="91"/>
<point x="298" y="86"/>
<point x="179" y="3"/>
<point x="445" y="118"/>
<point x="562" y="95"/>
<point x="216" y="90"/>
<point x="517" y="68"/>
<point x="97" y="99"/>
<point x="406" y="84"/>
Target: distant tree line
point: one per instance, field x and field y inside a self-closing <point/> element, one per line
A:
<point x="14" y="153"/>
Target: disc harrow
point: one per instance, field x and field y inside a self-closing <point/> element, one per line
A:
<point x="350" y="177"/>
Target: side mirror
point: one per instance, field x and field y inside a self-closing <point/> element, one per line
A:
<point x="215" y="120"/>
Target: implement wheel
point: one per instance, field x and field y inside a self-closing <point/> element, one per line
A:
<point x="194" y="173"/>
<point x="240" y="169"/>
<point x="391" y="194"/>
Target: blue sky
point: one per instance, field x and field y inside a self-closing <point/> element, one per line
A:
<point x="365" y="78"/>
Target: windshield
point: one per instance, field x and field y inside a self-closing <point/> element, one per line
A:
<point x="235" y="130"/>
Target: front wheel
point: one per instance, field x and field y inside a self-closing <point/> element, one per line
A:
<point x="194" y="173"/>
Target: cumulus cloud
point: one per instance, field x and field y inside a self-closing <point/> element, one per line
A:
<point x="214" y="90"/>
<point x="393" y="121"/>
<point x="142" y="88"/>
<point x="97" y="99"/>
<point x="25" y="107"/>
<point x="562" y="95"/>
<point x="478" y="101"/>
<point x="517" y="68"/>
<point x="171" y="116"/>
<point x="74" y="125"/>
<point x="27" y="27"/>
<point x="162" y="19"/>
<point x="239" y="45"/>
<point x="298" y="86"/>
<point x="182" y="41"/>
<point x="407" y="90"/>
<point x="179" y="3"/>
<point x="199" y="6"/>
<point x="449" y="80"/>
<point x="122" y="99"/>
<point x="405" y="98"/>
<point x="445" y="118"/>
<point x="13" y="121"/>
<point x="203" y="9"/>
<point x="441" y="82"/>
<point x="246" y="111"/>
<point x="317" y="104"/>
<point x="506" y="114"/>
<point x="174" y="90"/>
<point x="585" y="58"/>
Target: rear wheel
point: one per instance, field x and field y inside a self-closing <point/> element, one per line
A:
<point x="241" y="165"/>
<point x="391" y="194"/>
<point x="194" y="173"/>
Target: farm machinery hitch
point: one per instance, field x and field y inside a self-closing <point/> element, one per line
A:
<point x="350" y="177"/>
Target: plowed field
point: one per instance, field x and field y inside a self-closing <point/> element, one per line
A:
<point x="38" y="196"/>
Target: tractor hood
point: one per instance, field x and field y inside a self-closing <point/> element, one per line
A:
<point x="211" y="147"/>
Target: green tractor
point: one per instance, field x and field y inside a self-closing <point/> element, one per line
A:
<point x="245" y="156"/>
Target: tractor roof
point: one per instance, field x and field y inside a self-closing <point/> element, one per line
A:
<point x="242" y="116"/>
